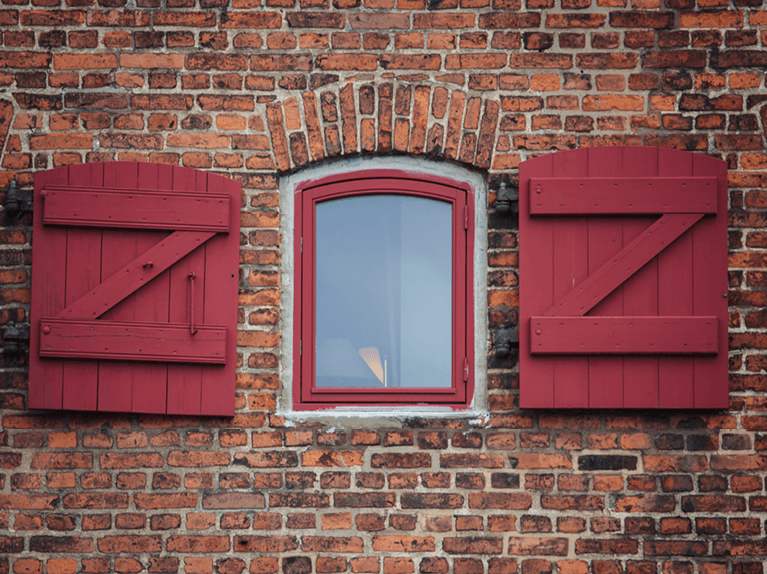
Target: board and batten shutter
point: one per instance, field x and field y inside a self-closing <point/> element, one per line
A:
<point x="134" y="289"/>
<point x="623" y="280"/>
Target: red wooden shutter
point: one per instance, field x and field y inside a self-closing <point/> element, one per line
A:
<point x="134" y="289"/>
<point x="623" y="280"/>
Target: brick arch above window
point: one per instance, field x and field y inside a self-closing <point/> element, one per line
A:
<point x="424" y="119"/>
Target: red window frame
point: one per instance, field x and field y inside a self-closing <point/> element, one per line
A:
<point x="306" y="396"/>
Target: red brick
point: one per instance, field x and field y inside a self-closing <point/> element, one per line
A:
<point x="645" y="503"/>
<point x="250" y="20"/>
<point x="718" y="19"/>
<point x="674" y="59"/>
<point x="166" y="500"/>
<point x="506" y="501"/>
<point x="575" y="20"/>
<point x="526" y="61"/>
<point x="501" y="20"/>
<point x="603" y="61"/>
<point x="606" y="546"/>
<point x="675" y="548"/>
<point x="538" y="546"/>
<point x="476" y="545"/>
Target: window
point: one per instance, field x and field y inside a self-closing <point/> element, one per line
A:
<point x="384" y="308"/>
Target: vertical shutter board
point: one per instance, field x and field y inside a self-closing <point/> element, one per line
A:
<point x="640" y="298"/>
<point x="675" y="298"/>
<point x="570" y="267"/>
<point x="536" y="239"/>
<point x="709" y="287"/>
<point x="80" y="382"/>
<point x="183" y="179"/>
<point x="116" y="377"/>
<point x="48" y="273"/>
<point x="118" y="249"/>
<point x="675" y="374"/>
<point x="640" y="291"/>
<point x="214" y="397"/>
<point x="185" y="381"/>
<point x="164" y="176"/>
<point x="221" y="282"/>
<point x="605" y="239"/>
<point x="152" y="302"/>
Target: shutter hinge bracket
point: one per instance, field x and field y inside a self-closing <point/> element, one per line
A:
<point x="465" y="369"/>
<point x="465" y="216"/>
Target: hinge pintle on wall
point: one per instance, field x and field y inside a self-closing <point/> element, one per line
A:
<point x="17" y="201"/>
<point x="15" y="339"/>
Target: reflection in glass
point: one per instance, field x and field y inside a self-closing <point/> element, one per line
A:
<point x="384" y="292"/>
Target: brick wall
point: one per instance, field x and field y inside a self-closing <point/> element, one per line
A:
<point x="253" y="91"/>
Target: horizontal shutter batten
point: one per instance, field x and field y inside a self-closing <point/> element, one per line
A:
<point x="624" y="335"/>
<point x="136" y="210"/>
<point x="627" y="196"/>
<point x="134" y="341"/>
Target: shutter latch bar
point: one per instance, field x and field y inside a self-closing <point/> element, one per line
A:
<point x="192" y="330"/>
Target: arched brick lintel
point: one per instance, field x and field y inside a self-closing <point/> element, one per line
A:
<point x="386" y="118"/>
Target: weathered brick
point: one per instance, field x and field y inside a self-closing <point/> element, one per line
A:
<point x="501" y="500"/>
<point x="538" y="546"/>
<point x="675" y="548"/>
<point x="198" y="544"/>
<point x="645" y="503"/>
<point x="264" y="543"/>
<point x="467" y="545"/>
<point x="413" y="500"/>
<point x="607" y="546"/>
<point x="250" y="20"/>
<point x="60" y="544"/>
<point x="331" y="544"/>
<point x="364" y="500"/>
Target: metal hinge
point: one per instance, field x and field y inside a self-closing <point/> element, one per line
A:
<point x="302" y="245"/>
<point x="465" y="369"/>
<point x="465" y="216"/>
<point x="301" y="347"/>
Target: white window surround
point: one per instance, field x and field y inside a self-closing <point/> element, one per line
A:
<point x="385" y="414"/>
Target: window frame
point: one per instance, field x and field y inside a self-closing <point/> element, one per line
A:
<point x="377" y="182"/>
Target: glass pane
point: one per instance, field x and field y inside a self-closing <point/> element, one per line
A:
<point x="384" y="292"/>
